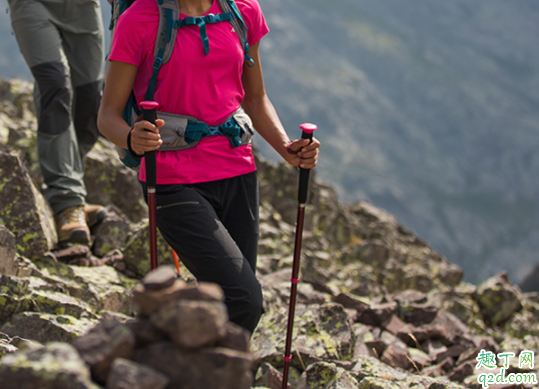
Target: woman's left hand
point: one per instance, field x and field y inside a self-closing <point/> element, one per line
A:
<point x="303" y="154"/>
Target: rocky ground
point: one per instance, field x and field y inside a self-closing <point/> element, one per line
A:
<point x="377" y="308"/>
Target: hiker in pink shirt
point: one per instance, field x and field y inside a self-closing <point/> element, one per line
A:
<point x="207" y="194"/>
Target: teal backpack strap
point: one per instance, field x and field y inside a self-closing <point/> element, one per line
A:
<point x="201" y="22"/>
<point x="164" y="44"/>
<point x="168" y="12"/>
<point x="239" y="26"/>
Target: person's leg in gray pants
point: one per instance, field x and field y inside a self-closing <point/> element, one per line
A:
<point x="62" y="43"/>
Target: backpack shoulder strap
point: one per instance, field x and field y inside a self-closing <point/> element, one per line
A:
<point x="164" y="44"/>
<point x="169" y="11"/>
<point x="239" y="26"/>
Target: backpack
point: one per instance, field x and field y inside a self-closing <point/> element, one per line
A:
<point x="169" y="23"/>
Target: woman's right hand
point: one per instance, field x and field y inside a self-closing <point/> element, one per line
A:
<point x="145" y="136"/>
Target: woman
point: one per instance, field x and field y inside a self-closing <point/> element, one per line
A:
<point x="207" y="195"/>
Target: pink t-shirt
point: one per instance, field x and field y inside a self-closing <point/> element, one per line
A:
<point x="207" y="87"/>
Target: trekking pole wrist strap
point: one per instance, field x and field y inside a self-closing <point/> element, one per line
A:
<point x="131" y="151"/>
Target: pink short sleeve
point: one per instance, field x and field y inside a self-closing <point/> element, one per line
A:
<point x="254" y="19"/>
<point x="131" y="36"/>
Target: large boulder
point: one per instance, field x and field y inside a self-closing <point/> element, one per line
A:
<point x="108" y="181"/>
<point x="24" y="210"/>
<point x="498" y="299"/>
<point x="45" y="327"/>
<point x="55" y="366"/>
<point x="320" y="333"/>
<point x="208" y="367"/>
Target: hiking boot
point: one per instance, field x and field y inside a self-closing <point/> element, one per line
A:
<point x="95" y="214"/>
<point x="71" y="225"/>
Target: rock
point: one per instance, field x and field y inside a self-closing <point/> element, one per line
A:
<point x="462" y="371"/>
<point x="419" y="358"/>
<point x="460" y="302"/>
<point x="373" y="374"/>
<point x="126" y="374"/>
<point x="73" y="254"/>
<point x="376" y="314"/>
<point x="5" y="124"/>
<point x="44" y="327"/>
<point x="320" y="333"/>
<point x="8" y="250"/>
<point x="211" y="368"/>
<point x="398" y="328"/>
<point x="397" y="277"/>
<point x="19" y="93"/>
<point x="161" y="278"/>
<point x="445" y="327"/>
<point x="450" y="352"/>
<point x="235" y="338"/>
<point x="55" y="366"/>
<point x="498" y="299"/>
<point x="57" y="303"/>
<point x="418" y="314"/>
<point x="522" y="324"/>
<point x="137" y="250"/>
<point x="270" y="377"/>
<point x="374" y="253"/>
<point x="103" y="288"/>
<point x="112" y="233"/>
<point x="397" y="356"/>
<point x="5" y="346"/>
<point x="24" y="210"/>
<point x="100" y="346"/>
<point x="368" y="312"/>
<point x="152" y="300"/>
<point x="192" y="324"/>
<point x="108" y="180"/>
<point x="145" y="332"/>
<point x="323" y="375"/>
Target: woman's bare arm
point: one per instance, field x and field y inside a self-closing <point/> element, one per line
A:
<point x="118" y="86"/>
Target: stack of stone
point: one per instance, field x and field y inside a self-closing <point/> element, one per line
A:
<point x="181" y="339"/>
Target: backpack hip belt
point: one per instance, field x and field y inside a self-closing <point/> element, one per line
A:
<point x="182" y="132"/>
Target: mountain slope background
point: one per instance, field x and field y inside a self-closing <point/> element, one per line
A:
<point x="427" y="109"/>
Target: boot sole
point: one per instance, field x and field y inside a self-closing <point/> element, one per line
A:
<point x="98" y="218"/>
<point x="77" y="236"/>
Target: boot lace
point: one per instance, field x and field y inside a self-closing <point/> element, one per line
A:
<point x="72" y="215"/>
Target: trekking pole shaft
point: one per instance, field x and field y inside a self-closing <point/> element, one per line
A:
<point x="150" y="114"/>
<point x="303" y="190"/>
<point x="293" y="292"/>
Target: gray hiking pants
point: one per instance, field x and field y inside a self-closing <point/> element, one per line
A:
<point x="62" y="43"/>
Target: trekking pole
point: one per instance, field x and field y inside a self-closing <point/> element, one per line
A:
<point x="149" y="109"/>
<point x="307" y="133"/>
<point x="176" y="262"/>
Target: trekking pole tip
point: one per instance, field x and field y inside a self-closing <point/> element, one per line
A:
<point x="309" y="128"/>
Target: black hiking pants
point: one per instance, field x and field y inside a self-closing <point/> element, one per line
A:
<point x="213" y="227"/>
